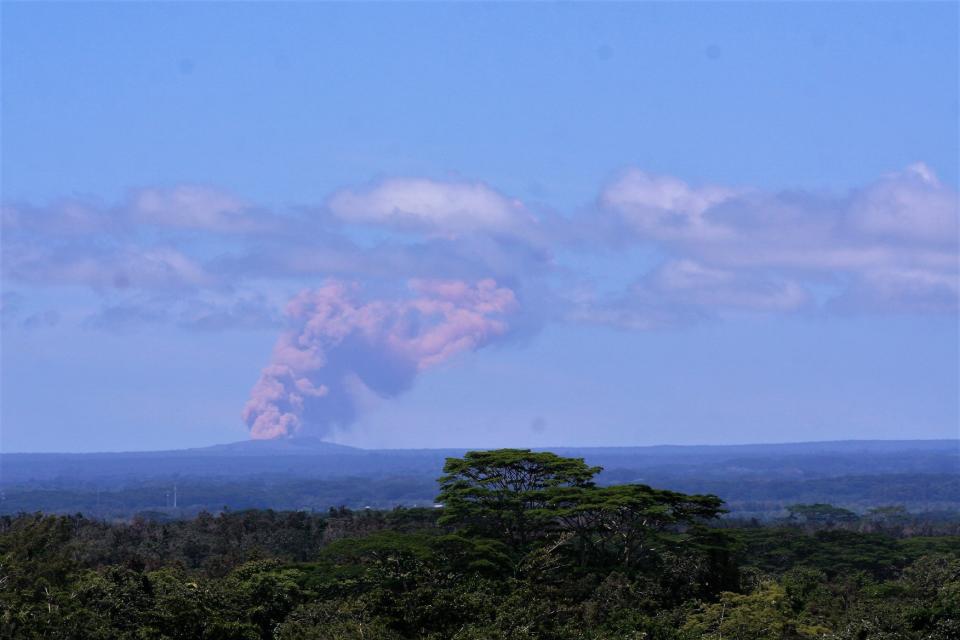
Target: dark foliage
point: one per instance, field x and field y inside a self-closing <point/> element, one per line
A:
<point x="525" y="546"/>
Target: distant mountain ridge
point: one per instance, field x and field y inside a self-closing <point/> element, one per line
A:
<point x="279" y="446"/>
<point x="306" y="445"/>
<point x="309" y="473"/>
<point x="315" y="458"/>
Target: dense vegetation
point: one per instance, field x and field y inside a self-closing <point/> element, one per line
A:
<point x="526" y="545"/>
<point x="934" y="497"/>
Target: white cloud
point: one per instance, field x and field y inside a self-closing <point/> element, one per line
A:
<point x="420" y="204"/>
<point x="663" y="207"/>
<point x="120" y="267"/>
<point x="911" y="205"/>
<point x="687" y="282"/>
<point x="892" y="243"/>
<point x="194" y="207"/>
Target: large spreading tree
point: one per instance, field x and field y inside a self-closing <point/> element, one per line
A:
<point x="521" y="496"/>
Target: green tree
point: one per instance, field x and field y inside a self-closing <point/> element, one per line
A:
<point x="820" y="514"/>
<point x="631" y="522"/>
<point x="764" y="614"/>
<point x="337" y="620"/>
<point x="507" y="494"/>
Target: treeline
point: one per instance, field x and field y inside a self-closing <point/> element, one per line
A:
<point x="930" y="497"/>
<point x="526" y="545"/>
<point x="197" y="494"/>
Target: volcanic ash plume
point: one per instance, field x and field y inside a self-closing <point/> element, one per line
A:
<point x="337" y="345"/>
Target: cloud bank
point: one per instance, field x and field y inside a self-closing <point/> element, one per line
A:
<point x="466" y="255"/>
<point x="888" y="247"/>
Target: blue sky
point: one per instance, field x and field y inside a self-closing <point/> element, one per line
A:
<point x="705" y="223"/>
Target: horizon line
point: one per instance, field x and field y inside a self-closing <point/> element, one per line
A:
<point x="955" y="440"/>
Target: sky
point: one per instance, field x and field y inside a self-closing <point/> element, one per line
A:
<point x="455" y="225"/>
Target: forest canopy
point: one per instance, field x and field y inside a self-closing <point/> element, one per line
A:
<point x="521" y="544"/>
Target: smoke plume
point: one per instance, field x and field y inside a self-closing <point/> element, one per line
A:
<point x="337" y="344"/>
